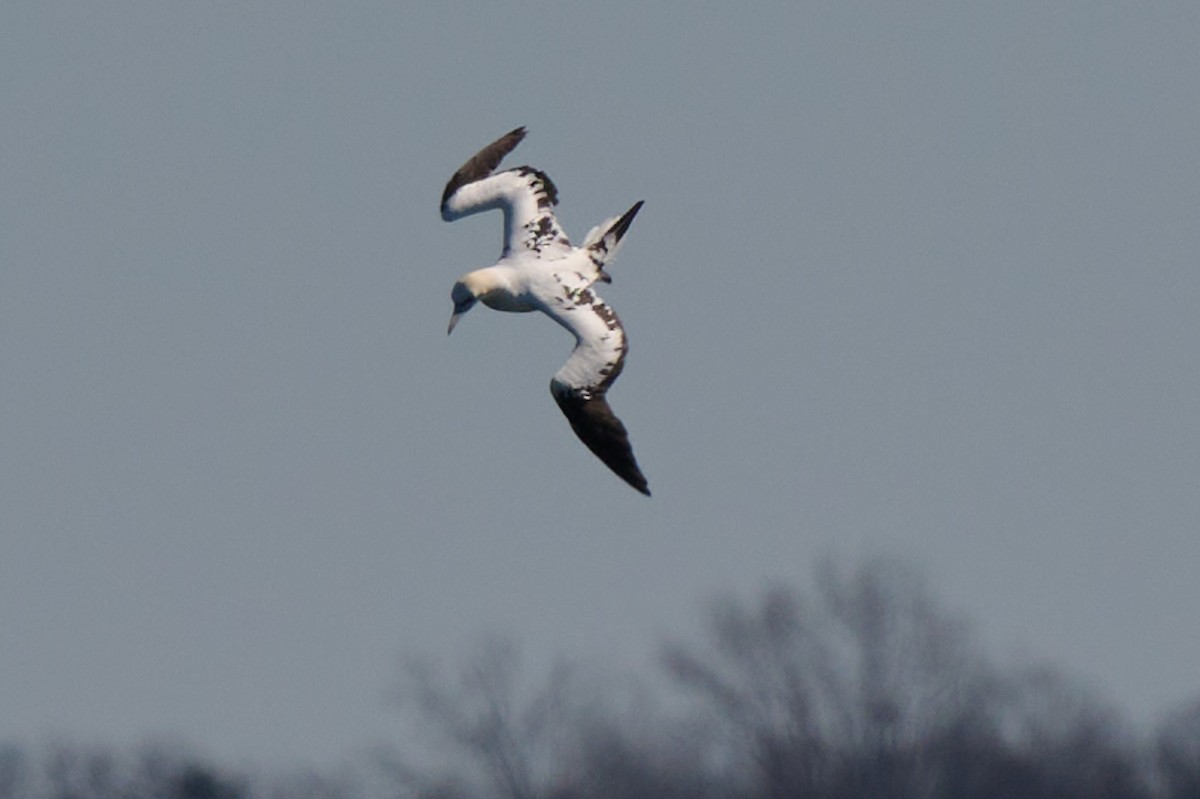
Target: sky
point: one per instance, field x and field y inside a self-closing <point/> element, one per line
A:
<point x="911" y="278"/>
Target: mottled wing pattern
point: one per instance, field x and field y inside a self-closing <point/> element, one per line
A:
<point x="526" y="195"/>
<point x="540" y="233"/>
<point x="581" y="384"/>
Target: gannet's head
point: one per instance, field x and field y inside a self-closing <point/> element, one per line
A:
<point x="464" y="297"/>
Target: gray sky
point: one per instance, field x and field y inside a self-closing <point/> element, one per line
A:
<point x="920" y="278"/>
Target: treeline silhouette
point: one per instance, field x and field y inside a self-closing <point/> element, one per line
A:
<point x="864" y="686"/>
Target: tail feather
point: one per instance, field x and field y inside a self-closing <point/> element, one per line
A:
<point x="604" y="239"/>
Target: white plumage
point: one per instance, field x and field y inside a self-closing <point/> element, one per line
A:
<point x="539" y="270"/>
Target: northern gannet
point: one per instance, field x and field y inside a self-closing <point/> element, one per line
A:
<point x="539" y="270"/>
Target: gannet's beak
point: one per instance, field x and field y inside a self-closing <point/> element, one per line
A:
<point x="460" y="308"/>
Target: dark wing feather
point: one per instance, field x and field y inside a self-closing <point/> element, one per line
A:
<point x="594" y="422"/>
<point x="483" y="162"/>
<point x="526" y="195"/>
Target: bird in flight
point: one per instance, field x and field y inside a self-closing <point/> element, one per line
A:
<point x="540" y="270"/>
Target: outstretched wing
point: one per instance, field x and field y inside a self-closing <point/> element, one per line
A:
<point x="597" y="427"/>
<point x="581" y="384"/>
<point x="526" y="195"/>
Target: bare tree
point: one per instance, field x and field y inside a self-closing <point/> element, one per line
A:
<point x="518" y="740"/>
<point x="1177" y="750"/>
<point x="841" y="695"/>
<point x="13" y="772"/>
<point x="78" y="773"/>
<point x="71" y="771"/>
<point x="863" y="687"/>
<point x="307" y="784"/>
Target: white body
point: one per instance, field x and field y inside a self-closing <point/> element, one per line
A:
<point x="539" y="270"/>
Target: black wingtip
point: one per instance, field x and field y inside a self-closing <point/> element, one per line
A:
<point x="482" y="164"/>
<point x="602" y="432"/>
<point x="637" y="482"/>
<point x="632" y="475"/>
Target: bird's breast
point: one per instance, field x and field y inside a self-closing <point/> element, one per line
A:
<point x="507" y="301"/>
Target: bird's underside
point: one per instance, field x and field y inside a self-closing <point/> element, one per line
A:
<point x="540" y="269"/>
